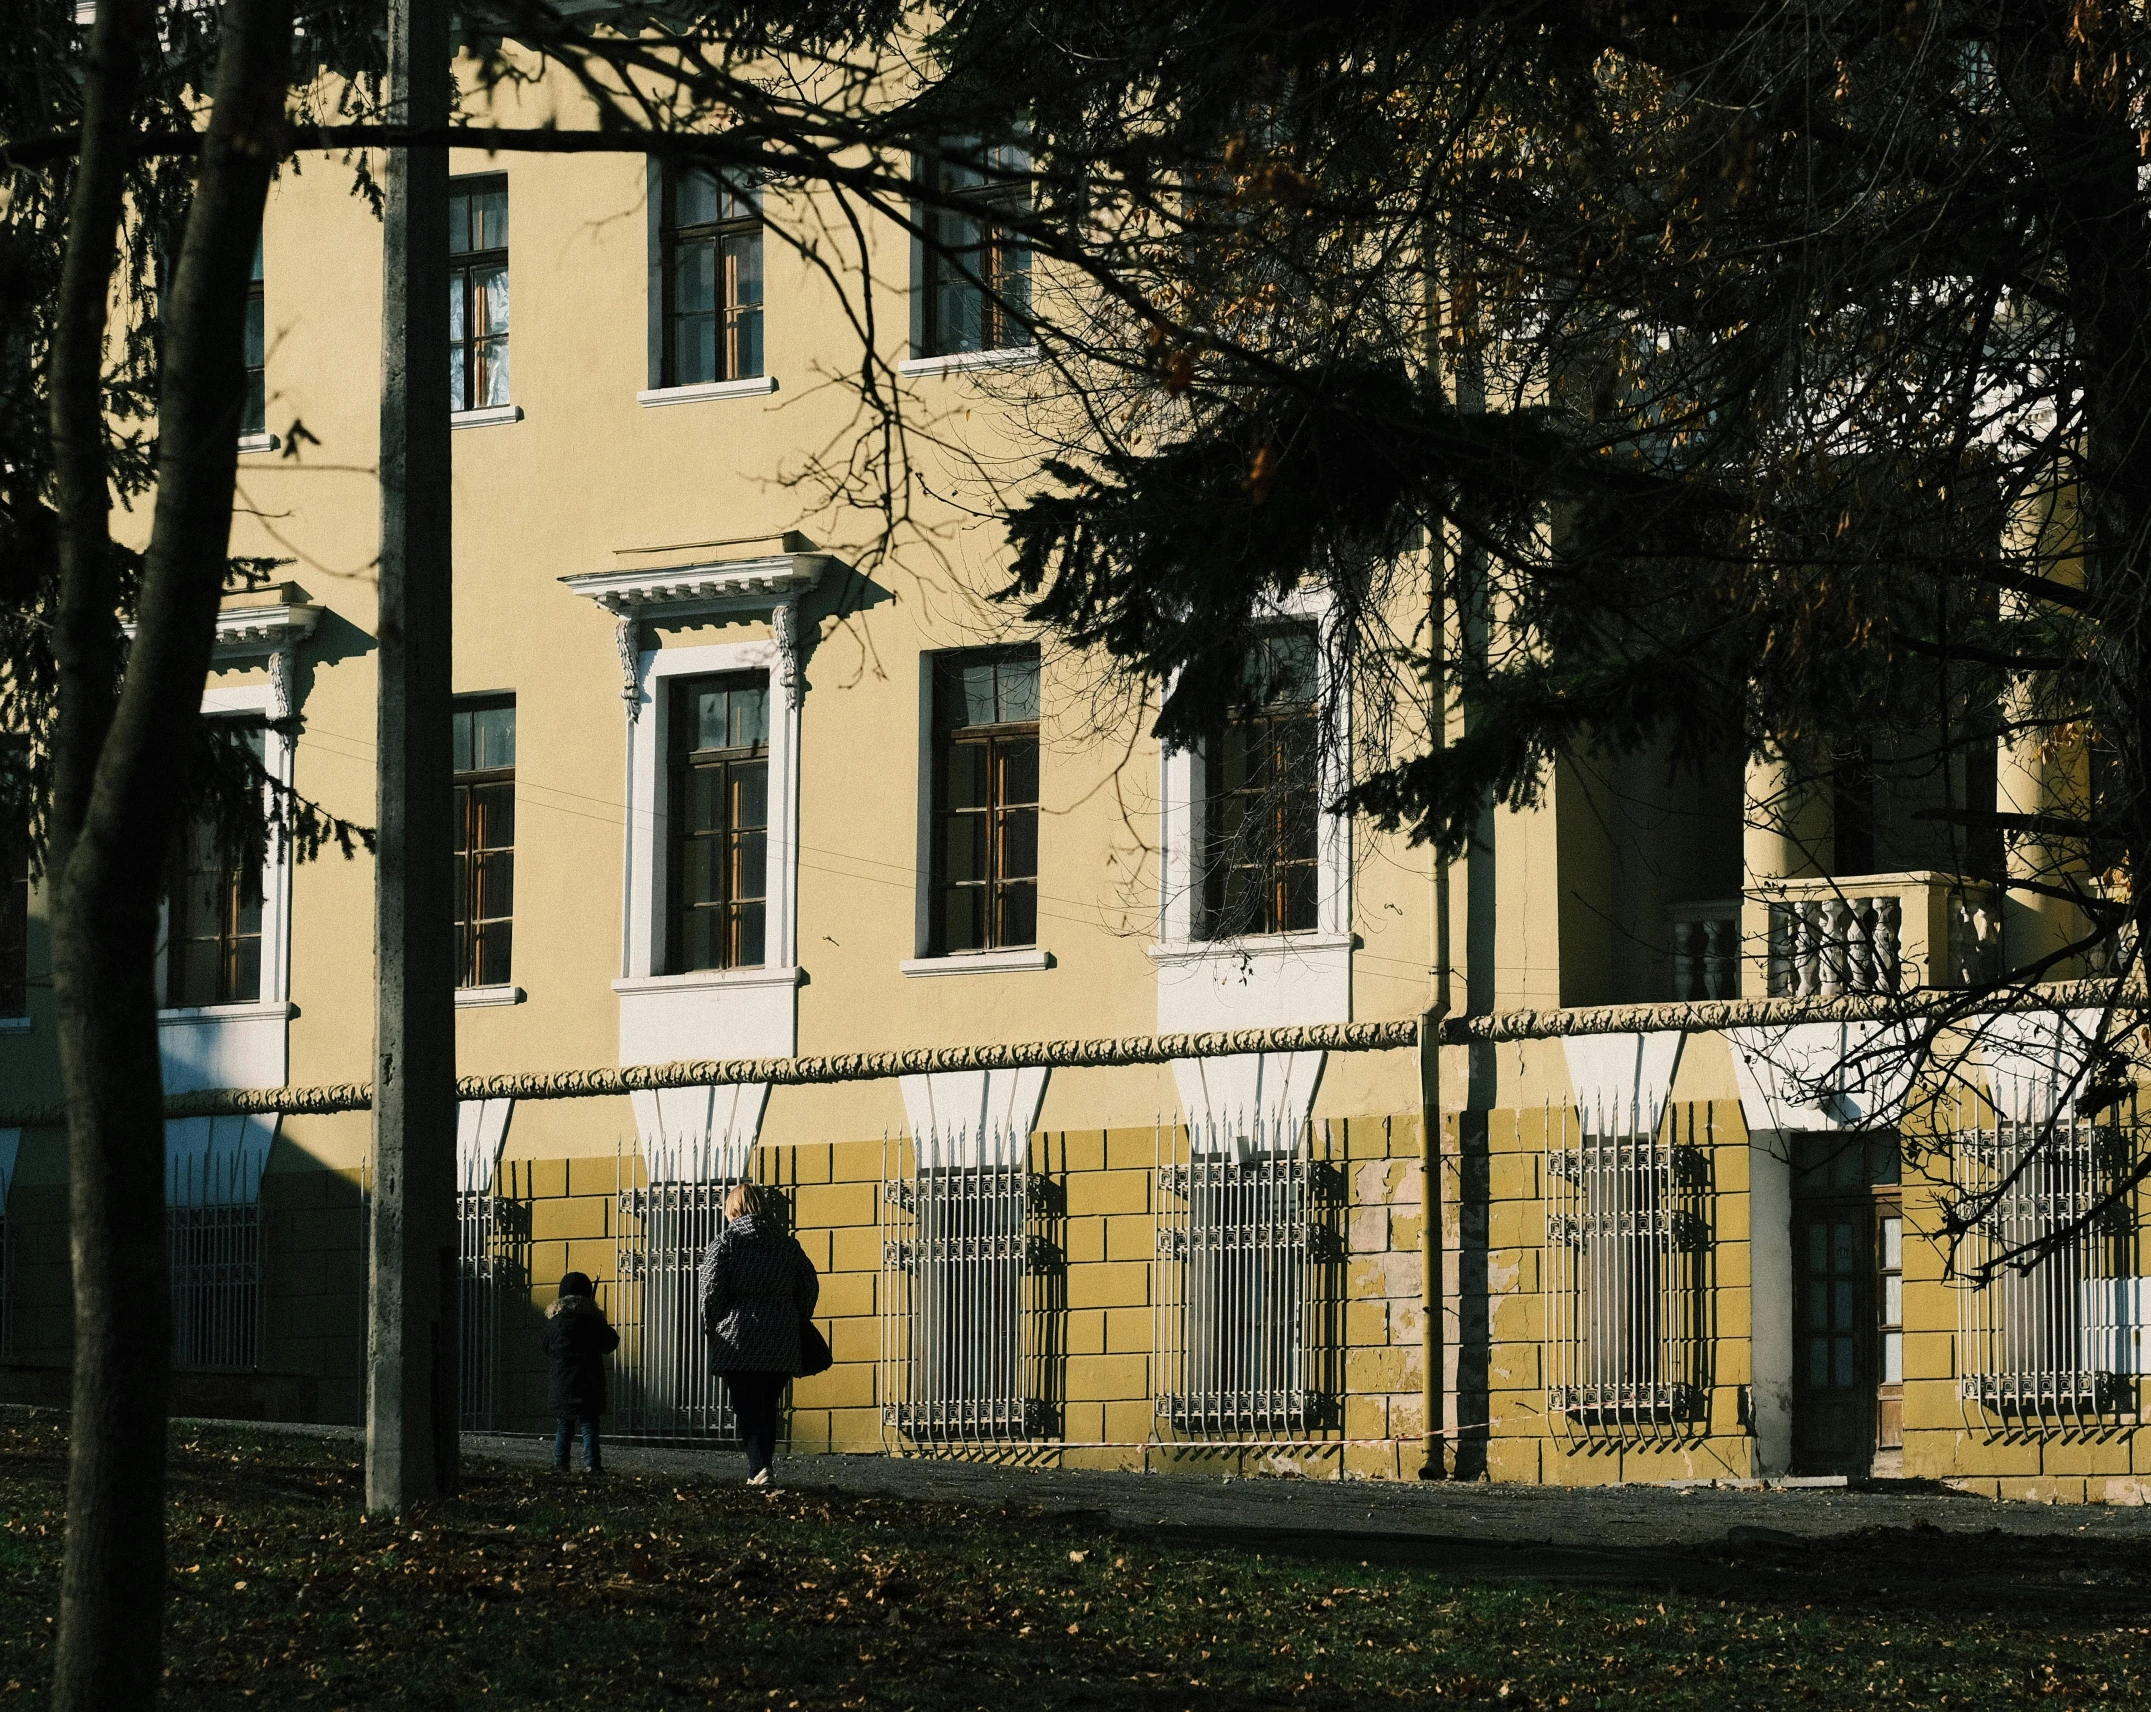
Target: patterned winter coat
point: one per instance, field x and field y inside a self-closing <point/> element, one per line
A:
<point x="577" y="1341"/>
<point x="757" y="1285"/>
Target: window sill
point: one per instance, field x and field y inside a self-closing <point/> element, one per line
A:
<point x="961" y="362"/>
<point x="493" y="416"/>
<point x="14" y="1025"/>
<point x="275" y="1009"/>
<point x="699" y="979"/>
<point x="258" y="443"/>
<point x="751" y="386"/>
<point x="1012" y="962"/>
<point x="1249" y="945"/>
<point x="472" y="998"/>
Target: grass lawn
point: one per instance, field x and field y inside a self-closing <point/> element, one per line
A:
<point x="531" y="1591"/>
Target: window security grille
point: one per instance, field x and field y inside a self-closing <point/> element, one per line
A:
<point x="962" y="1292"/>
<point x="213" y="1232"/>
<point x="493" y="1267"/>
<point x="1628" y="1270"/>
<point x="1247" y="1251"/>
<point x="2037" y="1342"/>
<point x="666" y="1389"/>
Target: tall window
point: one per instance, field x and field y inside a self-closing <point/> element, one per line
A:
<point x="711" y="278"/>
<point x="256" y="417"/>
<point x="485" y="840"/>
<point x="213" y="924"/>
<point x="719" y="814"/>
<point x="477" y="293"/>
<point x="976" y="280"/>
<point x="1260" y="855"/>
<point x="985" y="883"/>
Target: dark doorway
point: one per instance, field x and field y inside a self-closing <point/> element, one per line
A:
<point x="1848" y="1367"/>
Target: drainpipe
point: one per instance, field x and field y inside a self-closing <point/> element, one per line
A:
<point x="1430" y="1199"/>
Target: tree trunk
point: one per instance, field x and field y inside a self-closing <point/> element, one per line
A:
<point x="120" y="765"/>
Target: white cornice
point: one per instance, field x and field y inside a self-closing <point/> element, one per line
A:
<point x="264" y="629"/>
<point x="739" y="583"/>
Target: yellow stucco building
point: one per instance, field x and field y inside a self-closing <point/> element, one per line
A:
<point x="738" y="777"/>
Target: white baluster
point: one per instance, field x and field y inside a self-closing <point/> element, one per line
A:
<point x="1889" y="944"/>
<point x="1683" y="960"/>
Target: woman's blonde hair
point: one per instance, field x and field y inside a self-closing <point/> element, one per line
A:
<point x="746" y="1200"/>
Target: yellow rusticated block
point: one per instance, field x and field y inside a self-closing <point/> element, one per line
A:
<point x="1513" y="1367"/>
<point x="854" y="1340"/>
<point x="1131" y="1150"/>
<point x="1366" y="1230"/>
<point x="1086" y="1331"/>
<point x="834" y="1206"/>
<point x="1110" y="1284"/>
<point x="2099" y="1457"/>
<point x="856" y="1248"/>
<point x="1404" y="1231"/>
<point x="1513" y="1177"/>
<point x="1366" y="1415"/>
<point x="854" y="1431"/>
<point x="1931" y="1355"/>
<point x="558" y="1220"/>
<point x="1107" y="1378"/>
<point x="846" y="1293"/>
<point x="1372" y="1462"/>
<point x="1517" y="1460"/>
<point x="1391" y="1275"/>
<point x="1366" y="1323"/>
<point x="1127" y="1421"/>
<point x="1130" y="1237"/>
<point x="848" y="1385"/>
<point x="1078" y="1151"/>
<point x="1518" y="1319"/>
<point x="1128" y="1331"/>
<point x="1108" y="1192"/>
<point x="600" y="1179"/>
<point x="593" y="1255"/>
<point x="548" y="1179"/>
<point x="1385" y="1369"/>
<point x="1084" y="1240"/>
<point x="807" y="1163"/>
<point x="1516" y="1224"/>
<point x="855" y="1162"/>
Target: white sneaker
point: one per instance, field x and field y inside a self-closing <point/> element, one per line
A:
<point x="760" y="1479"/>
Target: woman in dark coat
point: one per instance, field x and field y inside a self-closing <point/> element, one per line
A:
<point x="758" y="1287"/>
<point x="577" y="1340"/>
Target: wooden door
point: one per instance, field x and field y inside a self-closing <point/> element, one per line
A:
<point x="1833" y="1357"/>
<point x="1848" y="1306"/>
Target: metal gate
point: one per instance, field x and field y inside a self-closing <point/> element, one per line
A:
<point x="1247" y="1251"/>
<point x="1627" y="1270"/>
<point x="665" y="1387"/>
<point x="2037" y="1338"/>
<point x="492" y="1269"/>
<point x="960" y="1354"/>
<point x="213" y="1235"/>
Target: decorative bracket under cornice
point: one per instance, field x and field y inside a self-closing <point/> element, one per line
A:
<point x="771" y="583"/>
<point x="266" y="632"/>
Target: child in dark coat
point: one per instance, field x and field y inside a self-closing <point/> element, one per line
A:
<point x="577" y="1340"/>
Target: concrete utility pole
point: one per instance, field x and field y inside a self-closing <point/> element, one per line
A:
<point x="411" y="1391"/>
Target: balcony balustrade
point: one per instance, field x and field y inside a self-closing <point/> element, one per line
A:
<point x="1876" y="933"/>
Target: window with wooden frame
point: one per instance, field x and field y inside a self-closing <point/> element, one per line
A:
<point x="718" y="809"/>
<point x="485" y="840"/>
<point x="478" y="292"/>
<point x="985" y="800"/>
<point x="254" y="417"/>
<point x="213" y="906"/>
<point x="710" y="274"/>
<point x="975" y="274"/>
<point x="1260" y="846"/>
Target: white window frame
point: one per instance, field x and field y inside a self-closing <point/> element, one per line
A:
<point x="649" y="826"/>
<point x="1183" y="789"/>
<point x="279" y="754"/>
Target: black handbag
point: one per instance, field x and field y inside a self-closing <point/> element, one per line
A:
<point x="814" y="1356"/>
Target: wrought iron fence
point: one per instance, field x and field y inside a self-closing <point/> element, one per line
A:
<point x="213" y="1235"/>
<point x="1248" y="1253"/>
<point x="665" y="1389"/>
<point x="964" y="1282"/>
<point x="1627" y="1270"/>
<point x="493" y="1270"/>
<point x="2044" y="1343"/>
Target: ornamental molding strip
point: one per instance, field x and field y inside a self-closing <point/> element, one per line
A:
<point x="768" y="582"/>
<point x="1951" y="1008"/>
